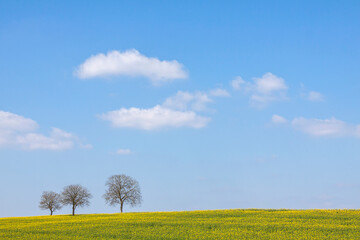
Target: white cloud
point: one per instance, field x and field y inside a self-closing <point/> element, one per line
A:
<point x="123" y="151"/>
<point x="18" y="131"/>
<point x="13" y="122"/>
<point x="238" y="83"/>
<point x="331" y="127"/>
<point x="263" y="90"/>
<point x="196" y="101"/>
<point x="154" y="118"/>
<point x="185" y="100"/>
<point x="130" y="63"/>
<point x="278" y="119"/>
<point x="269" y="83"/>
<point x="176" y="111"/>
<point x="180" y="101"/>
<point x="58" y="140"/>
<point x="315" y="96"/>
<point x="312" y="96"/>
<point x="325" y="127"/>
<point x="219" y="93"/>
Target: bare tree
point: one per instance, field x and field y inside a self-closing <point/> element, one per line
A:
<point x="76" y="196"/>
<point x="50" y="200"/>
<point x="122" y="189"/>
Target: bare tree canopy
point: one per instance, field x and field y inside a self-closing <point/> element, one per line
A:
<point x="76" y="196"/>
<point x="50" y="200"/>
<point x="122" y="189"/>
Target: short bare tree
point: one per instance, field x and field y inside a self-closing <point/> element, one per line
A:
<point x="51" y="201"/>
<point x="122" y="189"/>
<point x="76" y="196"/>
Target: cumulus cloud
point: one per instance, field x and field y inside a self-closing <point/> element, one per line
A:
<point x="130" y="63"/>
<point x="18" y="131"/>
<point x="180" y="110"/>
<point x="154" y="118"/>
<point x="123" y="151"/>
<point x="278" y="119"/>
<point x="263" y="90"/>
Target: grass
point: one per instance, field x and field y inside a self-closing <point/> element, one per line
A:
<point x="216" y="224"/>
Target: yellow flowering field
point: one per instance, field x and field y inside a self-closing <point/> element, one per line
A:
<point x="214" y="224"/>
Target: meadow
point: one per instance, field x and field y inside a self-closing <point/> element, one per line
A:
<point x="213" y="224"/>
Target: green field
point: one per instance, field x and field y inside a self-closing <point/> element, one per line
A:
<point x="217" y="224"/>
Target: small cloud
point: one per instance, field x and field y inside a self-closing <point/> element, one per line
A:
<point x="130" y="63"/>
<point x="278" y="119"/>
<point x="219" y="93"/>
<point x="325" y="127"/>
<point x="196" y="101"/>
<point x="154" y="118"/>
<point x="331" y="127"/>
<point x="269" y="84"/>
<point x="263" y="90"/>
<point x="312" y="96"/>
<point x="237" y="83"/>
<point x="123" y="151"/>
<point x="315" y="96"/>
<point x="188" y="101"/>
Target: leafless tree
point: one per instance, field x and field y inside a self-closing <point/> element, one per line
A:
<point x="50" y="200"/>
<point x="76" y="196"/>
<point x="122" y="189"/>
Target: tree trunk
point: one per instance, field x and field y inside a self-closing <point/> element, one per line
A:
<point x="73" y="210"/>
<point x="121" y="207"/>
<point x="51" y="212"/>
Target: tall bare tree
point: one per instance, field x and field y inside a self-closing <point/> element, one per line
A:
<point x="50" y="200"/>
<point x="122" y="189"/>
<point x="76" y="196"/>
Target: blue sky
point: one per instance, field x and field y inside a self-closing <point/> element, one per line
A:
<point x="208" y="104"/>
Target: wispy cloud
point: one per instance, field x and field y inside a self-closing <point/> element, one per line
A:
<point x="278" y="119"/>
<point x="325" y="127"/>
<point x="315" y="96"/>
<point x="263" y="90"/>
<point x="312" y="96"/>
<point x="331" y="127"/>
<point x="219" y="92"/>
<point x="18" y="131"/>
<point x="130" y="63"/>
<point x="186" y="100"/>
<point x="196" y="101"/>
<point x="154" y="118"/>
<point x="123" y="151"/>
